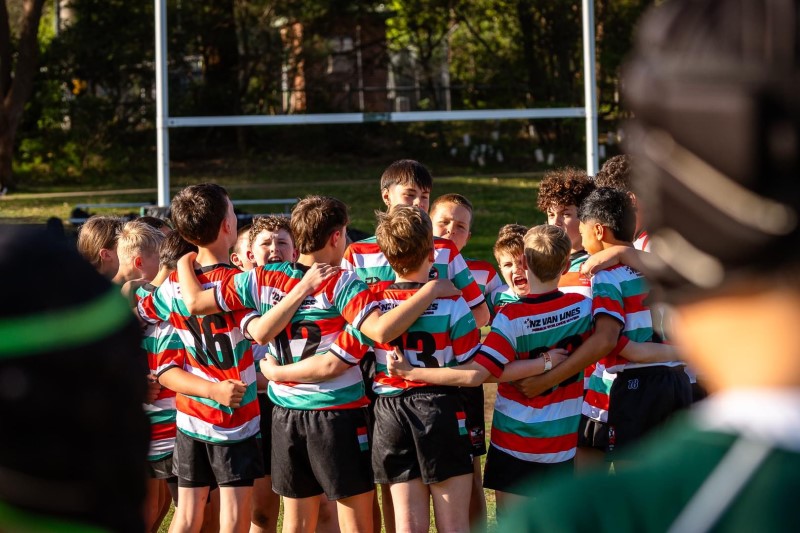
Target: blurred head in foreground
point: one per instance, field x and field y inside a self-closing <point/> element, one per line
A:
<point x="71" y="389"/>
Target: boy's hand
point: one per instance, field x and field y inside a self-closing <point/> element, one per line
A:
<point x="397" y="364"/>
<point x="316" y="276"/>
<point x="558" y="356"/>
<point x="533" y="386"/>
<point x="229" y="392"/>
<point x="153" y="388"/>
<point x="188" y="260"/>
<point x="444" y="288"/>
<point x="129" y="289"/>
<point x="269" y="366"/>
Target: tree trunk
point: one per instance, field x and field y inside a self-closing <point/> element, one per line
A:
<point x="15" y="94"/>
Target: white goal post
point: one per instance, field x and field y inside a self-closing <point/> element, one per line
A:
<point x="164" y="121"/>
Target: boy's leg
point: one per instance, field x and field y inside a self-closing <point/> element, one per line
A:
<point x="152" y="503"/>
<point x="235" y="508"/>
<point x="211" y="515"/>
<point x="411" y="506"/>
<point x="388" y="510"/>
<point x="451" y="503"/>
<point x="165" y="499"/>
<point x="266" y="506"/>
<point x="355" y="512"/>
<point x="300" y="514"/>
<point x="328" y="519"/>
<point x="477" y="499"/>
<point x="188" y="515"/>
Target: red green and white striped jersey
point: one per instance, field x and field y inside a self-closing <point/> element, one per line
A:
<point x="327" y="321"/>
<point x="215" y="350"/>
<point x="543" y="429"/>
<point x="444" y="335"/>
<point x="485" y="276"/>
<point x="160" y="342"/>
<point x="499" y="297"/>
<point x="366" y="259"/>
<point x="620" y="292"/>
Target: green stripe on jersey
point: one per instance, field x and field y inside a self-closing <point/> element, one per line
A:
<point x="382" y="273"/>
<point x="64" y="328"/>
<point x="161" y="417"/>
<point x="313" y="401"/>
<point x="543" y="430"/>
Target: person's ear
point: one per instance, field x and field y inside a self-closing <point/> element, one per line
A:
<point x="599" y="231"/>
<point x="251" y="257"/>
<point x="105" y="255"/>
<point x="385" y="197"/>
<point x="137" y="262"/>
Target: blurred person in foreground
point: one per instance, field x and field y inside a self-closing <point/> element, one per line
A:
<point x="74" y="437"/>
<point x="714" y="88"/>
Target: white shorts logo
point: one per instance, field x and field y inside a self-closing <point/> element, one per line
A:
<point x="633" y="384"/>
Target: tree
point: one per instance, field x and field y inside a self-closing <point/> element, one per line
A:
<point x="17" y="70"/>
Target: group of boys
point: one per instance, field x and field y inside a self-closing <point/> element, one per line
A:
<point x="315" y="368"/>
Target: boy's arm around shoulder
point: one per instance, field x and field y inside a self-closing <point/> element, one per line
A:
<point x="385" y="327"/>
<point x="473" y="373"/>
<point x="604" y="340"/>
<point x="314" y="369"/>
<point x="650" y="352"/>
<point x="267" y="326"/>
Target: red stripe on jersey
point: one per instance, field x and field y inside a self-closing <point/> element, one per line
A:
<point x="167" y="357"/>
<point x="361" y="431"/>
<point x="362" y="402"/>
<point x="489" y="364"/>
<point x="635" y="303"/>
<point x="608" y="304"/>
<point x="565" y="392"/>
<point x="239" y="417"/>
<point x="597" y="399"/>
<point x="465" y="343"/>
<point x="162" y="431"/>
<point x="534" y="445"/>
<point x="461" y="415"/>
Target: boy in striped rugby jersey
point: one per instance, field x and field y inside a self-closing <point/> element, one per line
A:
<point x="530" y="437"/>
<point x="217" y="415"/>
<point x="161" y="342"/>
<point x="408" y="182"/>
<point x="406" y="455"/>
<point x="508" y="252"/>
<point x="653" y="385"/>
<point x="240" y="256"/>
<point x="560" y="195"/>
<point x="315" y="381"/>
<point x="451" y="215"/>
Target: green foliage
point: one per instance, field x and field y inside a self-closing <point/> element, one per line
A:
<point x="93" y="109"/>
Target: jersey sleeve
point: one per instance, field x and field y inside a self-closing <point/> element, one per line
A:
<point x="353" y="299"/>
<point x="168" y="350"/>
<point x="460" y="275"/>
<point x="351" y="345"/>
<point x="156" y="306"/>
<point x="238" y="291"/>
<point x="464" y="334"/>
<point x="500" y="346"/>
<point x="607" y="296"/>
